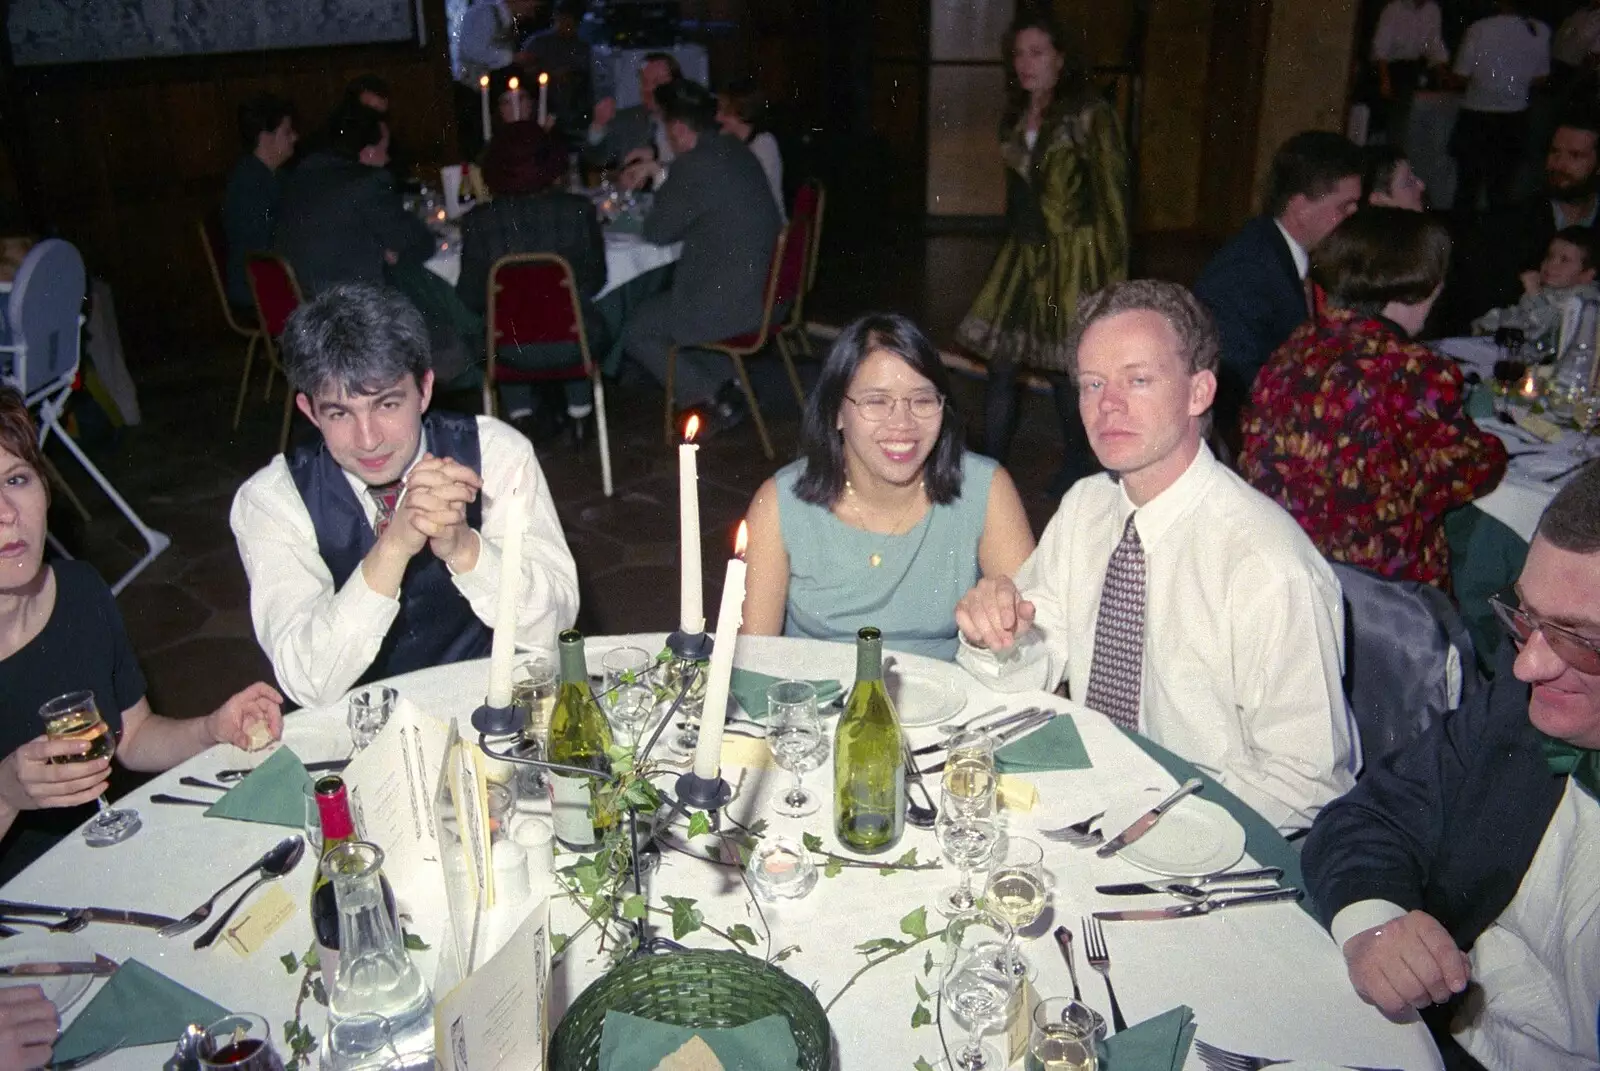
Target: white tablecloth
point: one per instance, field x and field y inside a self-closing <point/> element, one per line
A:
<point x="1264" y="980"/>
<point x="1523" y="494"/>
<point x="627" y="257"/>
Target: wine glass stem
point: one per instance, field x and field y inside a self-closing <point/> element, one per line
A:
<point x="971" y="1058"/>
<point x="797" y="794"/>
<point x="964" y="888"/>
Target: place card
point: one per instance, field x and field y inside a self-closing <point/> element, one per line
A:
<point x="743" y="751"/>
<point x="1534" y="424"/>
<point x="391" y="790"/>
<point x="498" y="1016"/>
<point x="260" y="921"/>
<point x="1020" y="1025"/>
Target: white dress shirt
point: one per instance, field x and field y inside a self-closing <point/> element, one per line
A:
<point x="1243" y="633"/>
<point x="1501" y="56"/>
<point x="322" y="639"/>
<point x="1538" y="964"/>
<point x="1297" y="252"/>
<point x="484" y="43"/>
<point x="765" y="148"/>
<point x="1578" y="39"/>
<point x="1407" y="31"/>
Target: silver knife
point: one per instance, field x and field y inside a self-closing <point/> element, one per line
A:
<point x="1142" y="825"/>
<point x="100" y="967"/>
<point x="325" y="766"/>
<point x="1138" y="888"/>
<point x="1034" y="721"/>
<point x="999" y="723"/>
<point x="89" y="914"/>
<point x="1184" y="911"/>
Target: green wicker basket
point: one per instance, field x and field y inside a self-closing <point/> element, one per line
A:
<point x="695" y="988"/>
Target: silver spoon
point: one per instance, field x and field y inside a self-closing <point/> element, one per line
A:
<point x="284" y="858"/>
<point x="1195" y="894"/>
<point x="203" y="912"/>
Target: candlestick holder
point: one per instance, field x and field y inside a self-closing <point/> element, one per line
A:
<point x="496" y="721"/>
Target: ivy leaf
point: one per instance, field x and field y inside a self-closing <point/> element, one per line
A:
<point x="785" y="953"/>
<point x="916" y="924"/>
<point x="831" y="868"/>
<point x="811" y="841"/>
<point x="920" y="1016"/>
<point x="758" y="828"/>
<point x="742" y="934"/>
<point x="921" y="1065"/>
<point x="880" y="944"/>
<point x="310" y="960"/>
<point x="558" y="941"/>
<point x="318" y="992"/>
<point x="290" y="961"/>
<point x="908" y="859"/>
<point x="922" y="994"/>
<point x="927" y="963"/>
<point x="686" y="918"/>
<point x="588" y="877"/>
<point x="415" y="943"/>
<point x="699" y="824"/>
<point x="633" y="907"/>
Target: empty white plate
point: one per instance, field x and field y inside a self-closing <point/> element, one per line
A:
<point x="922" y="697"/>
<point x="42" y="946"/>
<point x="1196" y="837"/>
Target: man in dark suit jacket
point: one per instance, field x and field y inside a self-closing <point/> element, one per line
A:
<point x="717" y="202"/>
<point x="1474" y="855"/>
<point x="1255" y="285"/>
<point x="341" y="219"/>
<point x="638" y="131"/>
<point x="250" y="205"/>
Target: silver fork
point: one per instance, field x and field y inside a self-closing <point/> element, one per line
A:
<point x="1078" y="834"/>
<point x="1099" y="957"/>
<point x="203" y="912"/>
<point x="1217" y="1059"/>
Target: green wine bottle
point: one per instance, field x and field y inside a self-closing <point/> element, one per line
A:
<point x="869" y="773"/>
<point x="579" y="736"/>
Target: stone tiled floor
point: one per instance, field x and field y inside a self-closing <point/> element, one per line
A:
<point x="188" y="614"/>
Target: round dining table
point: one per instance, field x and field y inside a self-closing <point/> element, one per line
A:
<point x="1264" y="980"/>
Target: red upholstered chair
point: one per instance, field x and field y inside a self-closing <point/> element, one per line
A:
<point x="533" y="299"/>
<point x="786" y="277"/>
<point x="216" y="248"/>
<point x="810" y="201"/>
<point x="277" y="294"/>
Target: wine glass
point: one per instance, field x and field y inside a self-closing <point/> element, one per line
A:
<point x="370" y="710"/>
<point x="967" y="840"/>
<point x="969" y="775"/>
<point x="240" y="1042"/>
<point x="534" y="682"/>
<point x="1586" y="417"/>
<point x="1016" y="890"/>
<point x="1062" y="1037"/>
<point x="629" y="700"/>
<point x="75" y="716"/>
<point x="977" y="986"/>
<point x="794" y="733"/>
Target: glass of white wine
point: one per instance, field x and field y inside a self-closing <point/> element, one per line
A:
<point x="533" y="696"/>
<point x="1062" y="1037"/>
<point x="969" y="775"/>
<point x="75" y="716"/>
<point x="967" y="841"/>
<point x="977" y="987"/>
<point x="1017" y="890"/>
<point x="794" y="733"/>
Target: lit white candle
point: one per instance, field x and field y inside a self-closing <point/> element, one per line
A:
<point x="508" y="596"/>
<point x="514" y="87"/>
<point x="544" y="96"/>
<point x="708" y="751"/>
<point x="691" y="605"/>
<point x="483" y="91"/>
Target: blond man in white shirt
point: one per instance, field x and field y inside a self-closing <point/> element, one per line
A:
<point x="376" y="551"/>
<point x="1237" y="634"/>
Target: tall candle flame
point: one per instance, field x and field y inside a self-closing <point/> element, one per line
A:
<point x="691" y="428"/>
<point x="514" y="84"/>
<point x="741" y="540"/>
<point x="483" y="82"/>
<point x="544" y="78"/>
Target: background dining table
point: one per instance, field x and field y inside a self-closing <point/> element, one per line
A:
<point x="1265" y="980"/>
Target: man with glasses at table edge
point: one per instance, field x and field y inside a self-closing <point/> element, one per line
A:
<point x="1462" y="878"/>
<point x="376" y="550"/>
<point x="1173" y="597"/>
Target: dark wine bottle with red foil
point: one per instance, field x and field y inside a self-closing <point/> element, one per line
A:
<point x="338" y="827"/>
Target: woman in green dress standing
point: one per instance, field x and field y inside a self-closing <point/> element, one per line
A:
<point x="1066" y="209"/>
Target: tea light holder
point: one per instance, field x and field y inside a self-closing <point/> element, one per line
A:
<point x="781" y="869"/>
<point x="1529" y="388"/>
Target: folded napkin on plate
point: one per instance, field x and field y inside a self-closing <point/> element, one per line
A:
<point x="273" y="793"/>
<point x="1057" y="746"/>
<point x="141" y="1007"/>
<point x="750" y="689"/>
<point x="1159" y="1044"/>
<point x="629" y="1043"/>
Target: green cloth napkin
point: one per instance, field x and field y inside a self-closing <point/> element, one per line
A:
<point x="1056" y="746"/>
<point x="1480" y="401"/>
<point x="629" y="1043"/>
<point x="274" y="793"/>
<point x="1159" y="1044"/>
<point x="139" y="1005"/>
<point x="750" y="689"/>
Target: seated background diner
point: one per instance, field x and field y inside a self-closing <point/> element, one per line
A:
<point x="1389" y="182"/>
<point x="61" y="632"/>
<point x="742" y="112"/>
<point x="1355" y="429"/>
<point x="255" y="186"/>
<point x="886" y="518"/>
<point x="1567" y="272"/>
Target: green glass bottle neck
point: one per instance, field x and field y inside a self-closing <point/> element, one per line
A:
<point x="869" y="660"/>
<point x="574" y="670"/>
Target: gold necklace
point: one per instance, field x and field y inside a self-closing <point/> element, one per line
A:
<point x="875" y="559"/>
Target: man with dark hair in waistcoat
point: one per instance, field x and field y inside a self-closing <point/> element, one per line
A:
<point x="377" y="550"/>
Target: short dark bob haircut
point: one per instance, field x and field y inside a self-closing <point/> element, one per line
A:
<point x="821" y="444"/>
<point x="1379" y="255"/>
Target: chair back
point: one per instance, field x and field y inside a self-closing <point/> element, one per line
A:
<point x="44" y="318"/>
<point x="533" y="299"/>
<point x="790" y="261"/>
<point x="1409" y="659"/>
<point x="275" y="288"/>
<point x="810" y="202"/>
<point x="215" y="243"/>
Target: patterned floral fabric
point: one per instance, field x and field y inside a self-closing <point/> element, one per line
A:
<point x="1362" y="435"/>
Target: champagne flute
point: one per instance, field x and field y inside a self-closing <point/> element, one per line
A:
<point x="967" y="841"/>
<point x="970" y="783"/>
<point x="75" y="716"/>
<point x="794" y="733"/>
<point x="976" y="986"/>
<point x="628" y="698"/>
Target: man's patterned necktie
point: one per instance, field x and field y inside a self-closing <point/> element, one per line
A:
<point x="387" y="498"/>
<point x="1117" y="668"/>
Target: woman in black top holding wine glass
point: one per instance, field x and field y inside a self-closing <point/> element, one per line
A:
<point x="60" y="632"/>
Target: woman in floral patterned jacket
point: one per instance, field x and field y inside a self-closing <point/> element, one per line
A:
<point x="1355" y="429"/>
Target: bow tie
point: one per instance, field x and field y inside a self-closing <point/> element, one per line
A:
<point x="1581" y="764"/>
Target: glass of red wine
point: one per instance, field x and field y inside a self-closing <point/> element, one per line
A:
<point x="1512" y="364"/>
<point x="241" y="1042"/>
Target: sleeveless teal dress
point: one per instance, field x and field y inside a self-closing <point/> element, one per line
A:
<point x="911" y="595"/>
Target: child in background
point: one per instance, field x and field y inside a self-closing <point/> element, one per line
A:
<point x="1568" y="272"/>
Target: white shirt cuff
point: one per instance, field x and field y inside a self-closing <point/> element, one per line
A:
<point x="480" y="584"/>
<point x="477" y="564"/>
<point x="1025" y="667"/>
<point x="1363" y="915"/>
